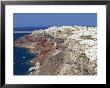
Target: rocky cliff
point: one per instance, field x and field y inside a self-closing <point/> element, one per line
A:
<point x="65" y="50"/>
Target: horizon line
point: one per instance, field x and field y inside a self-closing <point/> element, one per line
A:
<point x="22" y="32"/>
<point x="56" y="26"/>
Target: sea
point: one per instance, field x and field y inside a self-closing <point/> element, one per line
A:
<point x="22" y="56"/>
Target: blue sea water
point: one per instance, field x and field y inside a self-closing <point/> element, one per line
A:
<point x="22" y="58"/>
<point x="30" y="28"/>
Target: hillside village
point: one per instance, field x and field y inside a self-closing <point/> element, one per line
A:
<point x="63" y="50"/>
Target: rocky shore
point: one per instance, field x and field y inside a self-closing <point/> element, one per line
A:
<point x="65" y="50"/>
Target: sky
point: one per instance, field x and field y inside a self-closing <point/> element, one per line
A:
<point x="54" y="19"/>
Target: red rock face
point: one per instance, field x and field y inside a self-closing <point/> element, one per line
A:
<point x="29" y="38"/>
<point x="45" y="49"/>
<point x="40" y="44"/>
<point x="40" y="40"/>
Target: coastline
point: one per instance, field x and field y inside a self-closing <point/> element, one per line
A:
<point x="22" y="57"/>
<point x="62" y="50"/>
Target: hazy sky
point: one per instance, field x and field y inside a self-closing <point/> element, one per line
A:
<point x="54" y="19"/>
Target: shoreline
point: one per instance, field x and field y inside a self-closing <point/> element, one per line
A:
<point x="61" y="50"/>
